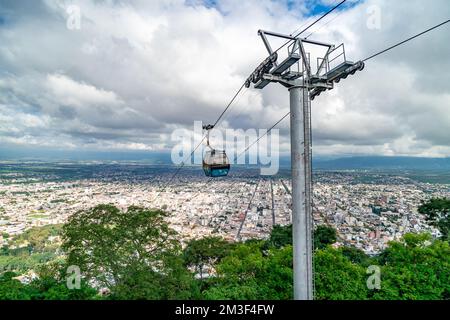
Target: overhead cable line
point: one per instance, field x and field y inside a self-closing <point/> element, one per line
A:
<point x="407" y="40"/>
<point x="287" y="42"/>
<point x="239" y="91"/>
<point x="265" y="134"/>
<point x="329" y="21"/>
<point x="312" y="24"/>
<point x="304" y="30"/>
<point x="229" y="104"/>
<point x="200" y="143"/>
<point x="301" y="32"/>
<point x="309" y="20"/>
<point x="371" y="57"/>
<point x="322" y="17"/>
<point x="325" y="24"/>
<point x="284" y="117"/>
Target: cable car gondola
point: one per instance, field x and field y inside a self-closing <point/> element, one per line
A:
<point x="215" y="162"/>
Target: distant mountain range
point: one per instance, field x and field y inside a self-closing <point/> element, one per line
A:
<point x="388" y="163"/>
<point x="164" y="158"/>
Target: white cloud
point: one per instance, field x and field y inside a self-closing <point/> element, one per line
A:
<point x="72" y="93"/>
<point x="139" y="69"/>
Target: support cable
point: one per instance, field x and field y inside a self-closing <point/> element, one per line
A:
<point x="265" y="134"/>
<point x="366" y="59"/>
<point x="238" y="92"/>
<point x="243" y="85"/>
<point x="405" y="41"/>
<point x="199" y="144"/>
<point x="329" y="21"/>
<point x="309" y="20"/>
<point x="312" y="24"/>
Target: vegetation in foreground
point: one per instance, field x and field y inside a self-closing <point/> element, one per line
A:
<point x="135" y="255"/>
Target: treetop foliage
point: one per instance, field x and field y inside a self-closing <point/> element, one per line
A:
<point x="136" y="255"/>
<point x="437" y="212"/>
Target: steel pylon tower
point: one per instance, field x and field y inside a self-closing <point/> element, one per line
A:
<point x="295" y="73"/>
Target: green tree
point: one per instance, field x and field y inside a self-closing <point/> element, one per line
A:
<point x="324" y="236"/>
<point x="280" y="236"/>
<point x="172" y="282"/>
<point x="278" y="275"/>
<point x="415" y="268"/>
<point x="12" y="289"/>
<point x="56" y="289"/>
<point x="49" y="285"/>
<point x="337" y="278"/>
<point x="437" y="212"/>
<point x="250" y="272"/>
<point x="356" y="256"/>
<point x="205" y="252"/>
<point x="133" y="253"/>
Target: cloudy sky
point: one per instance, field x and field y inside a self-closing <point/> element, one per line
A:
<point x="137" y="70"/>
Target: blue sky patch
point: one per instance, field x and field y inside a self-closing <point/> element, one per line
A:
<point x="314" y="7"/>
<point x="211" y="3"/>
<point x="317" y="8"/>
<point x="205" y="3"/>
